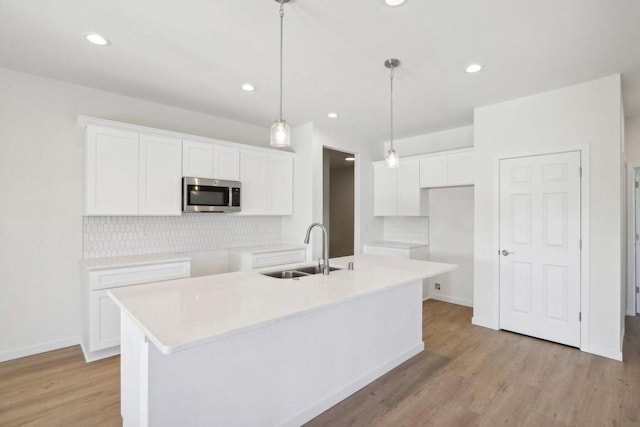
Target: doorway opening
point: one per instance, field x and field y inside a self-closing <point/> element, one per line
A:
<point x="338" y="200"/>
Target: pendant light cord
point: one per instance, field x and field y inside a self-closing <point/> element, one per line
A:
<point x="281" y="48"/>
<point x="391" y="104"/>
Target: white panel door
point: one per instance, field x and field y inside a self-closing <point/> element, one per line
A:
<point x="540" y="246"/>
<point x="637" y="238"/>
<point x="253" y="178"/>
<point x="197" y="159"/>
<point x="385" y="190"/>
<point x="226" y="163"/>
<point x="408" y="189"/>
<point x="280" y="183"/>
<point x="160" y="175"/>
<point x="111" y="172"/>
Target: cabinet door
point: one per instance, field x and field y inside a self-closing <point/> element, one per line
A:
<point x="111" y="172"/>
<point x="226" y="163"/>
<point x="104" y="321"/>
<point x="197" y="159"/>
<point x="385" y="190"/>
<point x="433" y="172"/>
<point x="160" y="175"/>
<point x="280" y="183"/>
<point x="410" y="202"/>
<point x="460" y="169"/>
<point x="253" y="177"/>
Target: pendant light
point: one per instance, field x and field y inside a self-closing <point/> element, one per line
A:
<point x="391" y="160"/>
<point x="280" y="133"/>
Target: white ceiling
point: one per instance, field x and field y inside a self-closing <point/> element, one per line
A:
<point x="195" y="54"/>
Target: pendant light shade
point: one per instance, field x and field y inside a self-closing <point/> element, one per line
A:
<point x="280" y="132"/>
<point x="391" y="160"/>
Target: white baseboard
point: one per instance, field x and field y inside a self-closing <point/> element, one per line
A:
<point x="487" y="323"/>
<point x="92" y="356"/>
<point x="604" y="352"/>
<point x="452" y="300"/>
<point x="338" y="396"/>
<point x="38" y="348"/>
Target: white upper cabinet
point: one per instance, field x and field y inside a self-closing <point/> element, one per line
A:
<point x="210" y="160"/>
<point x="385" y="190"/>
<point x="160" y="169"/>
<point x="136" y="170"/>
<point x="447" y="170"/>
<point x="226" y="162"/>
<point x="267" y="182"/>
<point x="111" y="171"/>
<point x="197" y="159"/>
<point x="397" y="191"/>
<point x="280" y="178"/>
<point x="460" y="169"/>
<point x="253" y="177"/>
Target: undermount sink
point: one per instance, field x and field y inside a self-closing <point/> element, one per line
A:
<point x="294" y="273"/>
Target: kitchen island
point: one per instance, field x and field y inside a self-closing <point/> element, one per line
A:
<point x="246" y="349"/>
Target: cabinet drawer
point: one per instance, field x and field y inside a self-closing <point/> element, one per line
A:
<point x="276" y="258"/>
<point x="116" y="277"/>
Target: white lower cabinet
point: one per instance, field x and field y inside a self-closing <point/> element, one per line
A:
<point x="102" y="316"/>
<point x="250" y="257"/>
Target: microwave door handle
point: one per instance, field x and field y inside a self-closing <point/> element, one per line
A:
<point x="230" y="203"/>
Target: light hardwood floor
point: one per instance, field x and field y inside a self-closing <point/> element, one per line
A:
<point x="467" y="376"/>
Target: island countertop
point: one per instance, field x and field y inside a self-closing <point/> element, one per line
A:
<point x="180" y="314"/>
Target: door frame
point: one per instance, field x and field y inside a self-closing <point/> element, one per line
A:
<point x="632" y="278"/>
<point x="584" y="232"/>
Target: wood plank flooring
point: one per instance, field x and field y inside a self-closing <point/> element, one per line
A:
<point x="467" y="376"/>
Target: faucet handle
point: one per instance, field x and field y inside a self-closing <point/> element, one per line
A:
<point x="321" y="262"/>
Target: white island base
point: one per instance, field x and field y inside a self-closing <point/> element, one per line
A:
<point x="282" y="373"/>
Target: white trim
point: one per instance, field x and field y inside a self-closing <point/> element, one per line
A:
<point x="92" y="356"/>
<point x="485" y="323"/>
<point x="319" y="407"/>
<point x="84" y="121"/>
<point x="434" y="154"/>
<point x="631" y="241"/>
<point x="585" y="191"/>
<point x="452" y="300"/>
<point x="38" y="348"/>
<point x="604" y="352"/>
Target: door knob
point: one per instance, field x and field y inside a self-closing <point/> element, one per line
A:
<point x="507" y="253"/>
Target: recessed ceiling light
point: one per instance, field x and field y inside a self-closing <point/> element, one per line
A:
<point x="474" y="68"/>
<point x="394" y="3"/>
<point x="350" y="159"/>
<point x="333" y="115"/>
<point x="248" y="87"/>
<point x="97" y="39"/>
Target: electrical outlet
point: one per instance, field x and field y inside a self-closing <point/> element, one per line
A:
<point x="437" y="286"/>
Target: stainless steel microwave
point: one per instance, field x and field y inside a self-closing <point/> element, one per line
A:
<point x="210" y="195"/>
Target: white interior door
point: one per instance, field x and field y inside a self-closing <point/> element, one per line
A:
<point x="540" y="246"/>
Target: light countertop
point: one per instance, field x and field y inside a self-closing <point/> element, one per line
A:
<point x="184" y="313"/>
<point x="131" y="261"/>
<point x="397" y="245"/>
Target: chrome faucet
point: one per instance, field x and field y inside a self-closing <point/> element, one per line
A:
<point x="325" y="245"/>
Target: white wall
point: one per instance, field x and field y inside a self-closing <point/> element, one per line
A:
<point x="632" y="158"/>
<point x="587" y="114"/>
<point x="308" y="141"/>
<point x="41" y="149"/>
<point x="451" y="241"/>
<point x="449" y="139"/>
